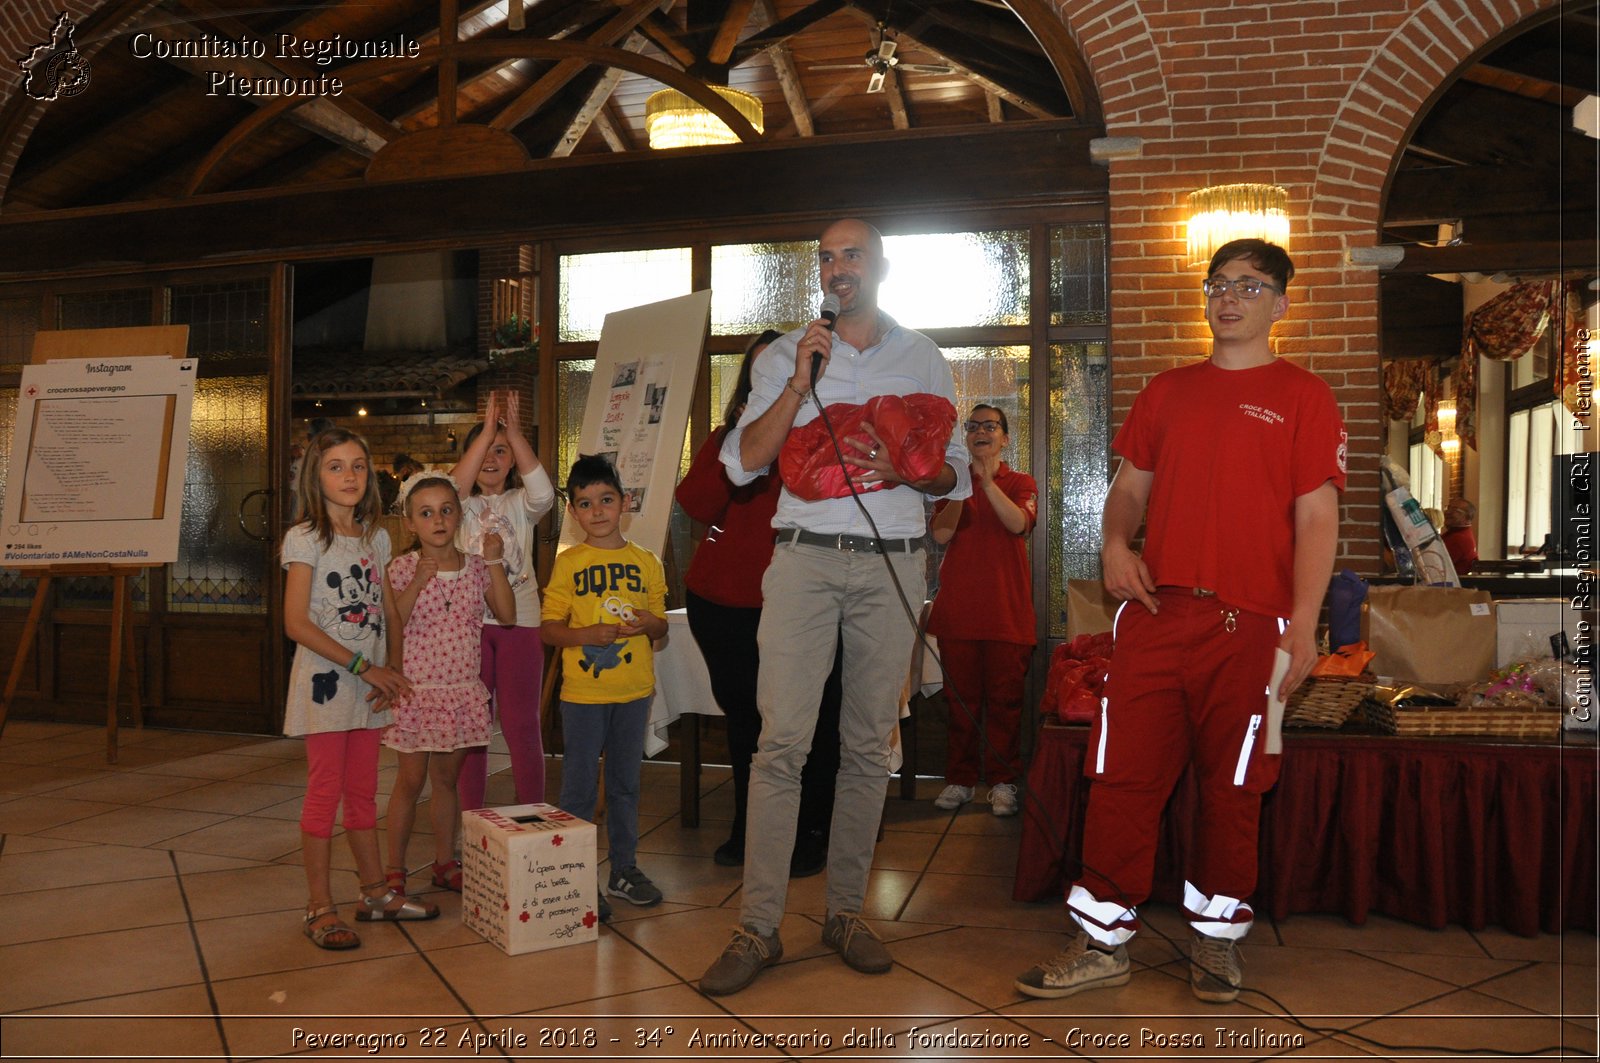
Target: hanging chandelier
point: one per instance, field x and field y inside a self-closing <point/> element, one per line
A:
<point x="673" y="120"/>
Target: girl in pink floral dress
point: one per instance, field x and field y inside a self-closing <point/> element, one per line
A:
<point x="435" y="594"/>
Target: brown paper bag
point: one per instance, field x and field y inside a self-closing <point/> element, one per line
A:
<point x="1090" y="610"/>
<point x="1430" y="635"/>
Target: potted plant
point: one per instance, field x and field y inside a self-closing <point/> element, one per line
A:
<point x="516" y="342"/>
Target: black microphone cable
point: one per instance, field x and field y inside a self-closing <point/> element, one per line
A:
<point x="1045" y="818"/>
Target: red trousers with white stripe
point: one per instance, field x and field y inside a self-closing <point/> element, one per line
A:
<point x="1187" y="685"/>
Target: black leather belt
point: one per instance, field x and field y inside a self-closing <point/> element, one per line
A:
<point x="855" y="543"/>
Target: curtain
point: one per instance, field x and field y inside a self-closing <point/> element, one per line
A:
<point x="1574" y="384"/>
<point x="1508" y="327"/>
<point x="1404" y="381"/>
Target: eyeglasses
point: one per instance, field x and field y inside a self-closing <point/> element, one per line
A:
<point x="983" y="426"/>
<point x="1244" y="287"/>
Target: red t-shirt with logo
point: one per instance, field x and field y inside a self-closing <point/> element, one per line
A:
<point x="985" y="584"/>
<point x="1231" y="450"/>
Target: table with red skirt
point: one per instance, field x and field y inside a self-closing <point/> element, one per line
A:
<point x="1429" y="830"/>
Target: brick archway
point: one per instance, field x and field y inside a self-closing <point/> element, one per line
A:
<point x="29" y="24"/>
<point x="1381" y="109"/>
<point x="1115" y="40"/>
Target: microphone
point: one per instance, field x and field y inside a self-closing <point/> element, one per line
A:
<point x="829" y="313"/>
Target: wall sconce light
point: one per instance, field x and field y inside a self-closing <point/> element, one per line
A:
<point x="361" y="411"/>
<point x="1447" y="418"/>
<point x="1449" y="442"/>
<point x="1236" y="212"/>
<point x="673" y="120"/>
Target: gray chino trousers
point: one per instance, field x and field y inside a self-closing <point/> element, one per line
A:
<point x="810" y="593"/>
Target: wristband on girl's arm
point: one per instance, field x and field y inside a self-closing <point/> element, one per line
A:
<point x="497" y="561"/>
<point x="354" y="667"/>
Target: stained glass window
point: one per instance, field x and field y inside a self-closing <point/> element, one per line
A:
<point x="592" y="286"/>
<point x="760" y="286"/>
<point x="1076" y="480"/>
<point x="953" y="280"/>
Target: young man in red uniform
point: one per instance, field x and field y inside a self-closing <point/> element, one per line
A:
<point x="1235" y="465"/>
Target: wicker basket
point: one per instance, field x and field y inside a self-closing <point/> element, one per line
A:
<point x="1326" y="701"/>
<point x="1498" y="723"/>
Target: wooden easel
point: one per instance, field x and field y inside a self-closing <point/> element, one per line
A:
<point x="146" y="341"/>
<point x="122" y="646"/>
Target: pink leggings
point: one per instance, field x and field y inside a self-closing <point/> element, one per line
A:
<point x="513" y="670"/>
<point x="341" y="764"/>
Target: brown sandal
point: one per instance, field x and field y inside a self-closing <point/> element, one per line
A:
<point x="448" y="875"/>
<point x="334" y="936"/>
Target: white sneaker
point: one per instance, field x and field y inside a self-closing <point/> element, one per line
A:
<point x="953" y="797"/>
<point x="1003" y="799"/>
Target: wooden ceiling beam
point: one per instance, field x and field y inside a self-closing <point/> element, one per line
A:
<point x="492" y="51"/>
<point x="1511" y="256"/>
<point x="664" y="35"/>
<point x="1445" y="193"/>
<point x="362" y="130"/>
<point x="1027" y="99"/>
<point x="896" y="100"/>
<point x="733" y="23"/>
<point x="788" y="75"/>
<point x="613" y="132"/>
<point x="594" y="104"/>
<point x="616" y="28"/>
<point x="995" y="107"/>
<point x="1020" y="164"/>
<point x="780" y="31"/>
<point x="1485" y="125"/>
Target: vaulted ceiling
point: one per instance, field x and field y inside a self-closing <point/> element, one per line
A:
<point x="571" y="80"/>
<point x="1494" y="157"/>
<point x="1497" y="160"/>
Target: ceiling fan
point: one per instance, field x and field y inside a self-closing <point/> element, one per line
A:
<point x="880" y="59"/>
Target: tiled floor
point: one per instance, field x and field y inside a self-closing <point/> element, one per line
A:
<point x="152" y="910"/>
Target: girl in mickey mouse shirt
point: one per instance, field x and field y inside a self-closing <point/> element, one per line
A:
<point x="339" y="687"/>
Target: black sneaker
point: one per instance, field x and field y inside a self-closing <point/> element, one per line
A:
<point x="633" y="886"/>
<point x="730" y="853"/>
<point x="605" y="910"/>
<point x="810" y="855"/>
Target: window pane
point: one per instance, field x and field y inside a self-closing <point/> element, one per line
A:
<point x="19" y="323"/>
<point x="761" y="286"/>
<point x="1517" y="481"/>
<point x="951" y="280"/>
<point x="220" y="569"/>
<point x="1078" y="275"/>
<point x="1427" y="477"/>
<point x="1075" y="483"/>
<point x="572" y="391"/>
<point x="121" y="308"/>
<point x="225" y="321"/>
<point x="996" y="376"/>
<point x="1541" y="445"/>
<point x="592" y="286"/>
<point x="724" y="378"/>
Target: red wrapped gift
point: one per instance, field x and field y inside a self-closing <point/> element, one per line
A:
<point x="915" y="430"/>
<point x="1077" y="679"/>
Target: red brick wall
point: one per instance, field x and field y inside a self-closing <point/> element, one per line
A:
<point x="1315" y="96"/>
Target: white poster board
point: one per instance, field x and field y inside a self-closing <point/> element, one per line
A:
<point x="97" y="462"/>
<point x="638" y="407"/>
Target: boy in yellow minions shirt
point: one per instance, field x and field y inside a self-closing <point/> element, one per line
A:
<point x="604" y="607"/>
